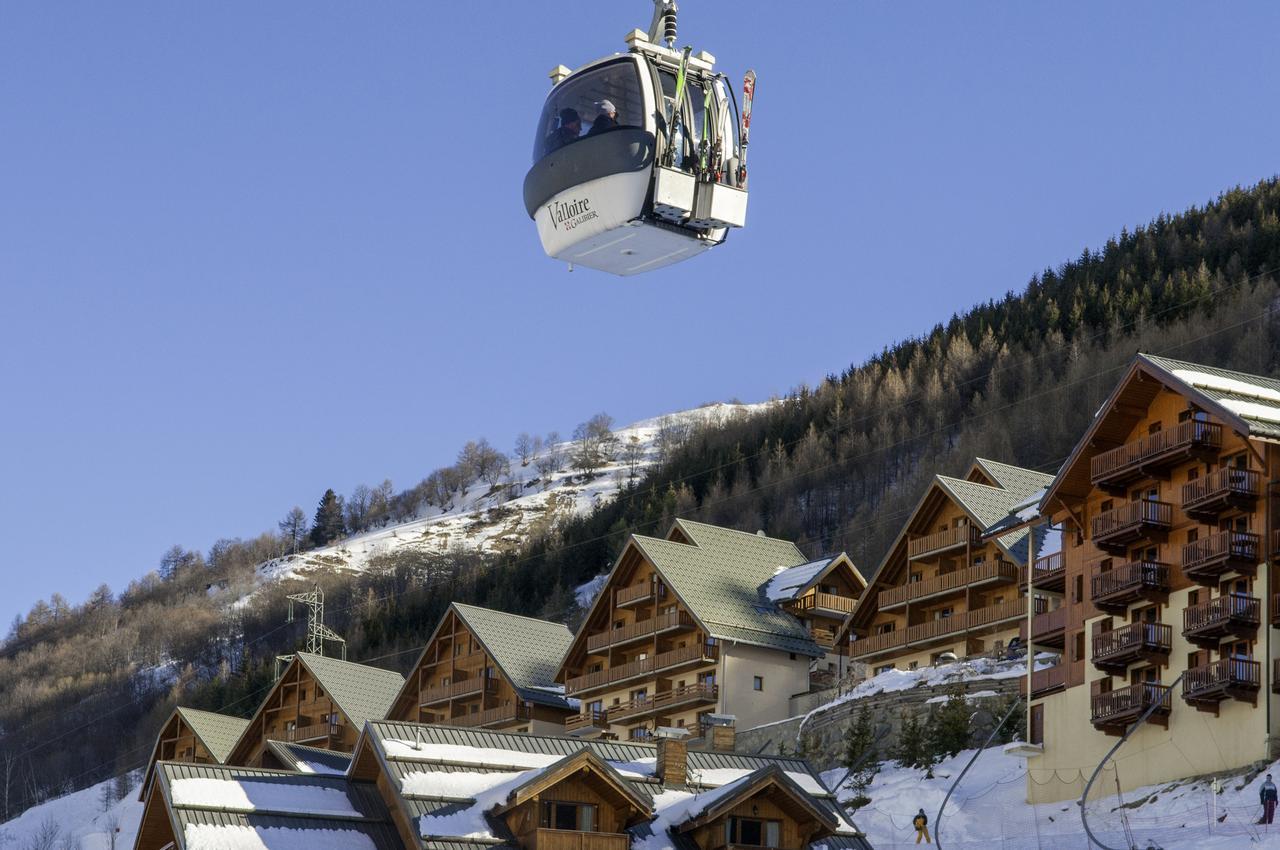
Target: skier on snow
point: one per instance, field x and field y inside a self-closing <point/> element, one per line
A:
<point x="1267" y="796"/>
<point x="921" y="823"/>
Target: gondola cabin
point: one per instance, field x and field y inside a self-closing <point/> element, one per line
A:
<point x="637" y="160"/>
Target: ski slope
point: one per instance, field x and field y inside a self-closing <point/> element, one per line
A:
<point x="80" y="820"/>
<point x="988" y="810"/>
<point x="490" y="519"/>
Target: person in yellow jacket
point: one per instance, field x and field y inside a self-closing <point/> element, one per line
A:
<point x="921" y="823"/>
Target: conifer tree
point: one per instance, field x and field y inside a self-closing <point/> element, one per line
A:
<point x="860" y="756"/>
<point x="949" y="730"/>
<point x="910" y="750"/>
<point x="328" y="524"/>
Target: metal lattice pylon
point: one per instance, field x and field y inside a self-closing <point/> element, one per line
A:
<point x="317" y="631"/>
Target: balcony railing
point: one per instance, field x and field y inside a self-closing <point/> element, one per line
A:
<point x="941" y="541"/>
<point x="1125" y="705"/>
<point x="825" y="602"/>
<point x="514" y="712"/>
<point x="994" y="572"/>
<point x="1206" y="623"/>
<point x="664" y="701"/>
<point x="1050" y="572"/>
<point x="1116" y="588"/>
<point x="941" y="628"/>
<point x="643" y="629"/>
<point x="1133" y="460"/>
<point x="1205" y="560"/>
<point x="313" y="732"/>
<point x="1127" y="644"/>
<point x="1226" y="677"/>
<point x="460" y="688"/>
<point x="1046" y="680"/>
<point x="1131" y="522"/>
<point x="639" y="593"/>
<point x="563" y="839"/>
<point x="643" y="666"/>
<point x="1229" y="487"/>
<point x="586" y="720"/>
<point x="1046" y="625"/>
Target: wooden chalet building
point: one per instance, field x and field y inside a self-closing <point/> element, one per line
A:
<point x="489" y="669"/>
<point x="1166" y="505"/>
<point x="429" y="787"/>
<point x="194" y="736"/>
<point x="685" y="627"/>
<point x="944" y="589"/>
<point x="318" y="701"/>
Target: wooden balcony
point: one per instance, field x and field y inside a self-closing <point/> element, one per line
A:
<point x="664" y="702"/>
<point x="1140" y="520"/>
<point x="638" y="593"/>
<point x="1151" y="456"/>
<point x="314" y="732"/>
<point x="825" y="604"/>
<point x="461" y="688"/>
<point x="1049" y="573"/>
<point x="982" y="575"/>
<point x="825" y="639"/>
<point x="1137" y="581"/>
<point x="1048" y="628"/>
<point x="663" y="661"/>
<point x="1207" y="559"/>
<point x="923" y="634"/>
<point x="563" y="839"/>
<point x="1115" y="650"/>
<point x="517" y="711"/>
<point x="643" y="630"/>
<point x="1047" y="681"/>
<point x="942" y="541"/>
<point x="1113" y="711"/>
<point x="1205" y="498"/>
<point x="586" y="720"/>
<point x="1227" y="678"/>
<point x="1234" y="615"/>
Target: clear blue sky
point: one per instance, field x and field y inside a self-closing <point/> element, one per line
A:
<point x="249" y="251"/>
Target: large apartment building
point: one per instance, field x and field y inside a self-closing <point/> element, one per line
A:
<point x="692" y="625"/>
<point x="1166" y="508"/>
<point x="491" y="669"/>
<point x="945" y="588"/>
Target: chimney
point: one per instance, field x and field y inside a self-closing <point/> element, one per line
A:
<point x="673" y="755"/>
<point x="723" y="732"/>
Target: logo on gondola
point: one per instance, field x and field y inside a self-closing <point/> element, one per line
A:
<point x="566" y="215"/>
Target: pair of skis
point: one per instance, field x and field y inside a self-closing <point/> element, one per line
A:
<point x="744" y="130"/>
<point x="748" y="95"/>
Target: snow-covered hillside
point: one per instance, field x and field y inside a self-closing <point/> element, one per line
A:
<point x="77" y="821"/>
<point x="988" y="811"/>
<point x="497" y="517"/>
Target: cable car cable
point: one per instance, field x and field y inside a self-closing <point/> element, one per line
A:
<point x="1084" y="797"/>
<point x="937" y="826"/>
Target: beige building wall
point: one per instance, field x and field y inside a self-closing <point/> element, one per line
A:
<point x="1195" y="743"/>
<point x="781" y="677"/>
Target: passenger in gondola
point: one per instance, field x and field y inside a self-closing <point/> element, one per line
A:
<point x="569" y="130"/>
<point x="606" y="118"/>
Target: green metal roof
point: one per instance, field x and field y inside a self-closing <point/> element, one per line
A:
<point x="990" y="506"/>
<point x="361" y="692"/>
<point x="1020" y="481"/>
<point x="719" y="577"/>
<point x="218" y="732"/>
<point x="527" y="650"/>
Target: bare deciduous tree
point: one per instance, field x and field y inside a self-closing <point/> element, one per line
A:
<point x="294" y="528"/>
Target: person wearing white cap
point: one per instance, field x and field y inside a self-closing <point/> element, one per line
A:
<point x="606" y="117"/>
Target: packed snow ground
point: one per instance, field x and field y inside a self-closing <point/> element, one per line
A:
<point x="988" y="810"/>
<point x="495" y="518"/>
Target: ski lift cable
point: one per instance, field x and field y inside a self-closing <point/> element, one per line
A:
<point x="1084" y="797"/>
<point x="937" y="825"/>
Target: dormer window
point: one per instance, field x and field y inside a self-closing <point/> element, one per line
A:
<point x="576" y="817"/>
<point x="752" y="832"/>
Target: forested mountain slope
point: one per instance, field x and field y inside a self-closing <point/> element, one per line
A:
<point x="837" y="466"/>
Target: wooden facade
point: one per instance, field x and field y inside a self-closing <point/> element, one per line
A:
<point x="942" y="588"/>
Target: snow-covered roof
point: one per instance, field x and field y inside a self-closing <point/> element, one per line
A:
<point x="790" y="582"/>
<point x="214" y="807"/>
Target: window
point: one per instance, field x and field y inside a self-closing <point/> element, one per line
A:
<point x="752" y="832"/>
<point x="884" y="668"/>
<point x="915" y="577"/>
<point x="913" y="665"/>
<point x="943" y="614"/>
<point x="884" y="628"/>
<point x="571" y="114"/>
<point x="1079" y="647"/>
<point x="1037" y="724"/>
<point x="1153" y="428"/>
<point x="1193" y="534"/>
<point x="757" y="683"/>
<point x="1193" y="473"/>
<point x="573" y="817"/>
<point x="302" y="694"/>
<point x="1078" y="594"/>
<point x="1193" y="598"/>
